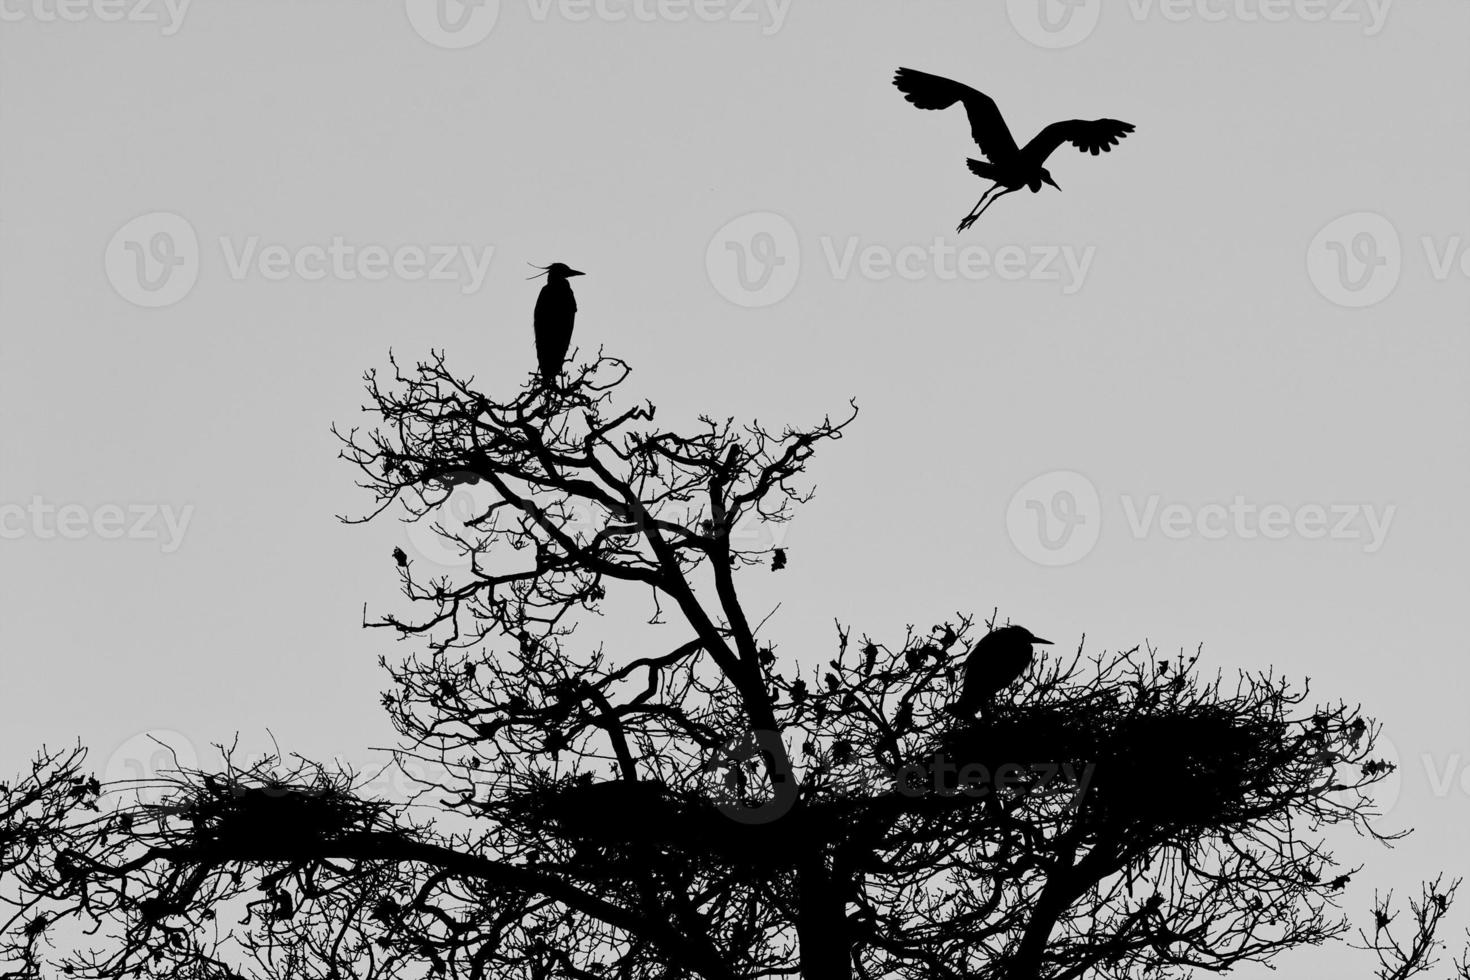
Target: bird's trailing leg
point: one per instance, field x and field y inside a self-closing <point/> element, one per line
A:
<point x="983" y="205"/>
<point x="975" y="212"/>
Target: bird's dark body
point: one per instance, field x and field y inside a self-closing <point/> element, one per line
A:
<point x="1009" y="165"/>
<point x="555" y="316"/>
<point x="995" y="663"/>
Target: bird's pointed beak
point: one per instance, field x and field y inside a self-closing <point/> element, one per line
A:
<point x="1053" y="183"/>
<point x="1037" y="639"/>
<point x="574" y="272"/>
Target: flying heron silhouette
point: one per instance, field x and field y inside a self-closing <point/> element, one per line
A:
<point x="556" y="314"/>
<point x="994" y="664"/>
<point x="1009" y="166"/>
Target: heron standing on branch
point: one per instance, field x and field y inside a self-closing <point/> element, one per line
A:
<point x="556" y="314"/>
<point x="995" y="663"/>
<point x="1011" y="167"/>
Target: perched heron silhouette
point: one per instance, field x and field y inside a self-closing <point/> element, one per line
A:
<point x="994" y="664"/>
<point x="556" y="314"/>
<point x="1009" y="166"/>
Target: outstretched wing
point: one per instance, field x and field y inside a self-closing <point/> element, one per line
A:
<point x="1088" y="135"/>
<point x="987" y="125"/>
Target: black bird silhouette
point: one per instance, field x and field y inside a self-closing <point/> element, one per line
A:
<point x="1010" y="166"/>
<point x="556" y="314"/>
<point x="996" y="661"/>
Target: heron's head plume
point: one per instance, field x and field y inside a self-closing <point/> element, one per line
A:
<point x="556" y="271"/>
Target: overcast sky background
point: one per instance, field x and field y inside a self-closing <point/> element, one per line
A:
<point x="1213" y="348"/>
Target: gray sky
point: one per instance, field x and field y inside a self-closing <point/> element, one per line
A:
<point x="1212" y="393"/>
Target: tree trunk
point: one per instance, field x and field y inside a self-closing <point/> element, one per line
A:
<point x="1064" y="886"/>
<point x="821" y="922"/>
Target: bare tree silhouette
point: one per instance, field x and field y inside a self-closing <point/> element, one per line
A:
<point x="34" y="809"/>
<point x="709" y="807"/>
<point x="1402" y="953"/>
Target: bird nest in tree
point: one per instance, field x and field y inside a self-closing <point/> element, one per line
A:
<point x="606" y="813"/>
<point x="619" y="817"/>
<point x="1163" y="768"/>
<point x="1204" y="768"/>
<point x="271" y="819"/>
